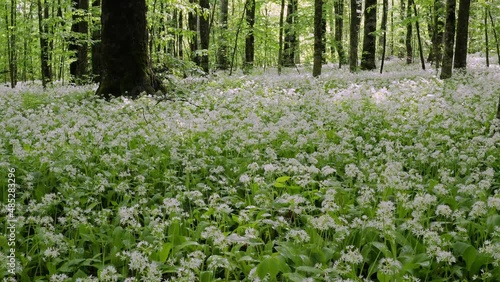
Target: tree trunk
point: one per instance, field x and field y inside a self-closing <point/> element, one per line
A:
<point x="369" y="38"/>
<point x="180" y="28"/>
<point x="11" y="44"/>
<point x="126" y="66"/>
<point x="223" y="62"/>
<point x="78" y="42"/>
<point x="495" y="36"/>
<point x="419" y="39"/>
<point x="250" y="39"/>
<point x="204" y="35"/>
<point x="339" y="27"/>
<point x="354" y="35"/>
<point x="449" y="39"/>
<point x="44" y="45"/>
<point x="280" y="39"/>
<point x="290" y="35"/>
<point x="409" y="35"/>
<point x="323" y="35"/>
<point x="384" y="30"/>
<point x="438" y="34"/>
<point x="318" y="38"/>
<point x="460" y="61"/>
<point x="193" y="40"/>
<point x="96" y="45"/>
<point x="486" y="37"/>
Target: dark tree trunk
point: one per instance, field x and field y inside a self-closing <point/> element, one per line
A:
<point x="204" y="35"/>
<point x="180" y="27"/>
<point x="126" y="66"/>
<point x="96" y="46"/>
<point x="223" y="63"/>
<point x="449" y="39"/>
<point x="384" y="30"/>
<point x="250" y="39"/>
<point x="495" y="35"/>
<point x="460" y="61"/>
<point x="78" y="43"/>
<point x="290" y="35"/>
<point x="318" y="38"/>
<point x="323" y="35"/>
<point x="339" y="27"/>
<point x="438" y="34"/>
<point x="487" y="49"/>
<point x="369" y="38"/>
<point x="353" y="36"/>
<point x="402" y="11"/>
<point x="409" y="34"/>
<point x="11" y="44"/>
<point x="193" y="40"/>
<point x="44" y="45"/>
<point x="419" y="39"/>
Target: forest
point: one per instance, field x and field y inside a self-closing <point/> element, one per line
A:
<point x="249" y="140"/>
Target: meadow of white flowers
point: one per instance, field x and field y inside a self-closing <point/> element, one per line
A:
<point x="350" y="177"/>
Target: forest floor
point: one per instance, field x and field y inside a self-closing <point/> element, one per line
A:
<point x="349" y="177"/>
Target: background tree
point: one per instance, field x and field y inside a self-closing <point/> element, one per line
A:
<point x="126" y="66"/>
<point x="250" y="38"/>
<point x="384" y="30"/>
<point x="223" y="62"/>
<point x="204" y="34"/>
<point x="78" y="43"/>
<point x="369" y="38"/>
<point x="339" y="28"/>
<point x="318" y="37"/>
<point x="96" y="48"/>
<point x="460" y="61"/>
<point x="10" y="20"/>
<point x="354" y="35"/>
<point x="409" y="34"/>
<point x="290" y="34"/>
<point x="435" y="54"/>
<point x="449" y="39"/>
<point x="46" y="69"/>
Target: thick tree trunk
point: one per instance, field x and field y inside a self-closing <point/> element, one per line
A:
<point x="78" y="42"/>
<point x="290" y="35"/>
<point x="354" y="35"/>
<point x="460" y="61"/>
<point x="318" y="38"/>
<point x="193" y="39"/>
<point x="44" y="46"/>
<point x="409" y="35"/>
<point x="339" y="28"/>
<point x="250" y="39"/>
<point x="323" y="35"/>
<point x="223" y="62"/>
<point x="126" y="67"/>
<point x="204" y="35"/>
<point x="449" y="39"/>
<point x="369" y="38"/>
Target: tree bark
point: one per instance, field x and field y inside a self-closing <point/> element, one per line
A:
<point x="96" y="48"/>
<point x="369" y="38"/>
<point x="280" y="39"/>
<point x="409" y="34"/>
<point x="438" y="34"/>
<point x="204" y="35"/>
<point x="78" y="42"/>
<point x="419" y="39"/>
<point x="339" y="27"/>
<point x="495" y="35"/>
<point x="354" y="35"/>
<point x="250" y="39"/>
<point x="487" y="49"/>
<point x="193" y="39"/>
<point x="126" y="66"/>
<point x="384" y="30"/>
<point x="290" y="35"/>
<point x="223" y="62"/>
<point x="318" y="38"/>
<point x="11" y="44"/>
<point x="449" y="39"/>
<point x="460" y="61"/>
<point x="44" y="45"/>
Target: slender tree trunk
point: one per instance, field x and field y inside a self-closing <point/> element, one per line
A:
<point x="495" y="35"/>
<point x="318" y="40"/>
<point x="354" y="35"/>
<point x="449" y="39"/>
<point x="486" y="37"/>
<point x="369" y="38"/>
<point x="419" y="39"/>
<point x="323" y="35"/>
<point x="204" y="35"/>
<point x="384" y="30"/>
<point x="126" y="66"/>
<point x="409" y="35"/>
<point x="280" y="39"/>
<point x="96" y="45"/>
<point x="11" y="44"/>
<point x="290" y="36"/>
<point x="339" y="27"/>
<point x="392" y="27"/>
<point x="223" y="63"/>
<point x="460" y="61"/>
<point x="180" y="28"/>
<point x="250" y="38"/>
<point x="78" y="43"/>
<point x="44" y="46"/>
<point x="193" y="40"/>
<point x="236" y="37"/>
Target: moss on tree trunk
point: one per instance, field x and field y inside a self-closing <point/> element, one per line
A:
<point x="126" y="67"/>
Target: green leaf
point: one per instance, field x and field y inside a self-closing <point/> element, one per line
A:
<point x="282" y="179"/>
<point x="206" y="276"/>
<point x="382" y="248"/>
<point x="165" y="251"/>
